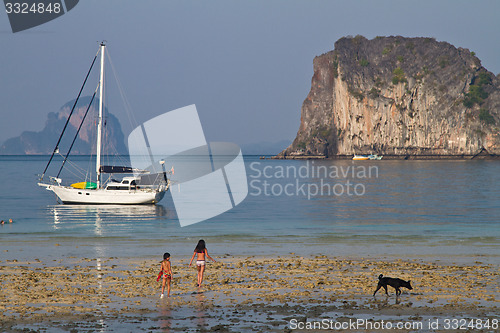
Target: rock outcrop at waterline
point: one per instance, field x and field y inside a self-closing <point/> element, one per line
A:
<point x="43" y="142"/>
<point x="399" y="96"/>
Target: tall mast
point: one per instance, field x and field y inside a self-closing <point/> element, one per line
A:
<point x="99" y="120"/>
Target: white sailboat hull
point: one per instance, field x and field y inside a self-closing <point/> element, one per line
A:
<point x="69" y="195"/>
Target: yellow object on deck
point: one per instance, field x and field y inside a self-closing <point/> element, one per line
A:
<point x="84" y="185"/>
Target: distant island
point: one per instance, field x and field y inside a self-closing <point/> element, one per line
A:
<point x="44" y="141"/>
<point x="399" y="97"/>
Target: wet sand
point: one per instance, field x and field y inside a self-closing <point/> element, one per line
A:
<point x="267" y="294"/>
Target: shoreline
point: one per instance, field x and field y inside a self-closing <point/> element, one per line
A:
<point x="389" y="157"/>
<point x="242" y="293"/>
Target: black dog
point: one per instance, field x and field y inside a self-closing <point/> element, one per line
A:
<point x="393" y="282"/>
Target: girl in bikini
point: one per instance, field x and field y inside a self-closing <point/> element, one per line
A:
<point x="166" y="270"/>
<point x="200" y="252"/>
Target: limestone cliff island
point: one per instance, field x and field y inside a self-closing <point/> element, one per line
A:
<point x="401" y="98"/>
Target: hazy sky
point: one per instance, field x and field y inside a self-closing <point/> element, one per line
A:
<point x="247" y="65"/>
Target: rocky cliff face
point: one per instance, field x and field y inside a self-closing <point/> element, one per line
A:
<point x="399" y="96"/>
<point x="43" y="142"/>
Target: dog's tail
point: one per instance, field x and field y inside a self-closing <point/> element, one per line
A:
<point x="380" y="276"/>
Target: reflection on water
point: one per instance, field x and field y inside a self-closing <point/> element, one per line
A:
<point x="165" y="319"/>
<point x="100" y="253"/>
<point x="100" y="217"/>
<point x="122" y="211"/>
<point x="201" y="312"/>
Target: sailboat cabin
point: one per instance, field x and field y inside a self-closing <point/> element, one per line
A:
<point x="127" y="184"/>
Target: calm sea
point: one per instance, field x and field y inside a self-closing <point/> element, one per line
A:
<point x="336" y="208"/>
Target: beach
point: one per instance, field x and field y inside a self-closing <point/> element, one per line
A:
<point x="284" y="263"/>
<point x="244" y="294"/>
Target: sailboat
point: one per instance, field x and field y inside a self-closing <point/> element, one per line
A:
<point x="142" y="187"/>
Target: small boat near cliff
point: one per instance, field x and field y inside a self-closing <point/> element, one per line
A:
<point x="366" y="157"/>
<point x="374" y="157"/>
<point x="360" y="158"/>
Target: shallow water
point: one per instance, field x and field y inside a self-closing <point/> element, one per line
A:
<point x="337" y="208"/>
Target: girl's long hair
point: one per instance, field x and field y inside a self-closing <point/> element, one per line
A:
<point x="200" y="247"/>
